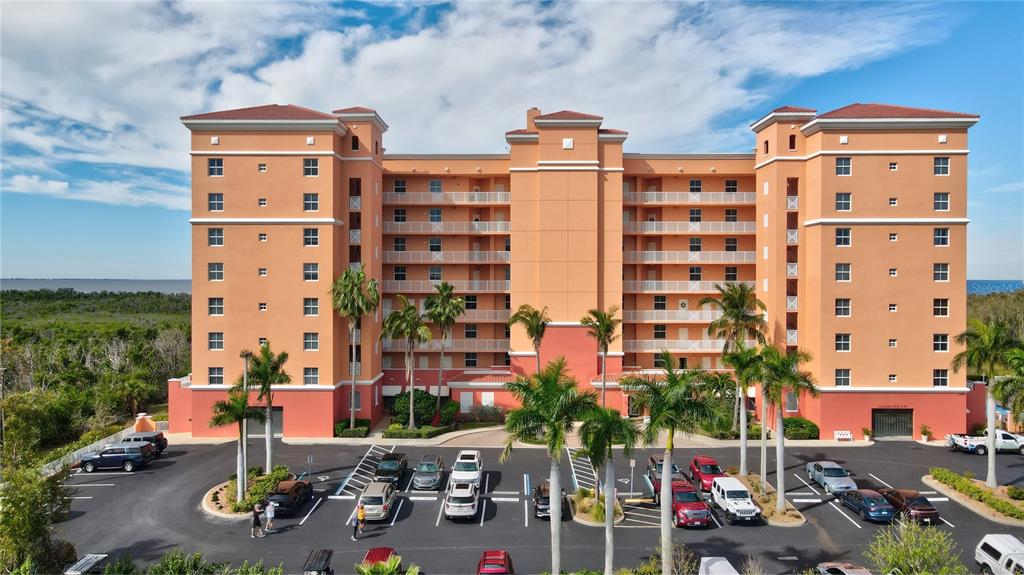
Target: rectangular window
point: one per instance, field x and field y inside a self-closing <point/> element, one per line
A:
<point x="215" y="167"/>
<point x="941" y="201"/>
<point x="310" y="237"/>
<point x="940" y="237"/>
<point x="940" y="307"/>
<point x="261" y="168"/>
<point x="311" y="376"/>
<point x="311" y="341"/>
<point x="844" y="166"/>
<point x="435" y="244"/>
<point x="940" y="272"/>
<point x="216" y="376"/>
<point x="215" y="272"/>
<point x="660" y="302"/>
<point x="893" y="166"/>
<point x="941" y="166"/>
<point x="215" y="237"/>
<point x="215" y="306"/>
<point x="695" y="273"/>
<point x="435" y="186"/>
<point x="310" y="272"/>
<point x="843" y="307"/>
<point x="262" y="272"/>
<point x="792" y="403"/>
<point x="893" y="272"/>
<point x="893" y="307"/>
<point x="844" y="272"/>
<point x="842" y="342"/>
<point x="355" y="187"/>
<point x="695" y="186"/>
<point x="435" y="215"/>
<point x="470" y="331"/>
<point x="731" y="186"/>
<point x="792" y="142"/>
<point x="508" y="301"/>
<point x="262" y="306"/>
<point x="262" y="202"/>
<point x="469" y="360"/>
<point x="310" y="202"/>
<point x="892" y="343"/>
<point x="893" y="236"/>
<point x="215" y="202"/>
<point x="695" y="214"/>
<point x="215" y="340"/>
<point x="731" y="215"/>
<point x="731" y="244"/>
<point x="940" y="377"/>
<point x="893" y="202"/>
<point x="262" y="236"/>
<point x="310" y="306"/>
<point x="940" y="342"/>
<point x="399" y="186"/>
<point x="730" y="273"/>
<point x="659" y="331"/>
<point x="355" y="143"/>
<point x="310" y="167"/>
<point x="844" y="202"/>
<point x="844" y="237"/>
<point x="695" y="244"/>
<point x="398" y="244"/>
<point x="843" y="377"/>
<point x="658" y="361"/>
<point x="470" y="301"/>
<point x="399" y="273"/>
<point x="435" y="273"/>
<point x="358" y="402"/>
<point x="399" y="215"/>
<point x="508" y="244"/>
<point x="892" y="378"/>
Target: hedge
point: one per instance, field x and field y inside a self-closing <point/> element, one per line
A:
<point x="354" y="432"/>
<point x="342" y="426"/>
<point x="396" y="431"/>
<point x="800" y="428"/>
<point x="429" y="431"/>
<point x="972" y="490"/>
<point x="424" y="404"/>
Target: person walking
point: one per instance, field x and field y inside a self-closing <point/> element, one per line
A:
<point x="257" y="529"/>
<point x="270" y="516"/>
<point x="358" y="521"/>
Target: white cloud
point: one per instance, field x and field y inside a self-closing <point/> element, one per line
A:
<point x="1007" y="187"/>
<point x="135" y="192"/>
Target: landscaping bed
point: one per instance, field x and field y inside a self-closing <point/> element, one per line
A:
<point x="589" y="510"/>
<point x="995" y="504"/>
<point x="766" y="501"/>
<point x="220" y="500"/>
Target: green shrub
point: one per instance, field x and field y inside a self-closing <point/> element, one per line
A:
<point x="354" y="432"/>
<point x="906" y="547"/>
<point x="401" y="433"/>
<point x="926" y="431"/>
<point x="976" y="492"/>
<point x="448" y="412"/>
<point x="424" y="405"/>
<point x="122" y="566"/>
<point x="177" y="561"/>
<point x="754" y="430"/>
<point x="978" y="428"/>
<point x="427" y="431"/>
<point x="483" y="413"/>
<point x="800" y="428"/>
<point x="1015" y="492"/>
<point x="259" y="487"/>
<point x="343" y="425"/>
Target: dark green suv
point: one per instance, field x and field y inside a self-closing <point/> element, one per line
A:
<point x="127" y="456"/>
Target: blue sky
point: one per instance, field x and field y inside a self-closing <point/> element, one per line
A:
<point x="94" y="181"/>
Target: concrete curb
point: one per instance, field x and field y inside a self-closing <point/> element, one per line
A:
<point x="220" y="514"/>
<point x="977" y="507"/>
<point x="587" y="522"/>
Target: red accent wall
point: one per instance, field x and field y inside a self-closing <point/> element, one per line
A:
<point x="976" y="405"/>
<point x="179" y="407"/>
<point x="306" y="413"/>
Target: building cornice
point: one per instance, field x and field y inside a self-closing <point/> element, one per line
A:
<point x="778" y="117"/>
<point x="371" y="117"/>
<point x="695" y="156"/>
<point x="819" y="124"/>
<point x="887" y="221"/>
<point x="852" y="389"/>
<point x="567" y="123"/>
<point x="931" y="152"/>
<point x="270" y="221"/>
<point x="265" y="125"/>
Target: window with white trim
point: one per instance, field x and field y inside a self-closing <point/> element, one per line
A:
<point x="893" y="166"/>
<point x="843" y="341"/>
<point x="941" y="166"/>
<point x="731" y="215"/>
<point x="792" y="402"/>
<point x="434" y="244"/>
<point x="696" y="244"/>
<point x="843" y="307"/>
<point x="311" y="376"/>
<point x="695" y="186"/>
<point x="215" y="237"/>
<point x="310" y="202"/>
<point x="262" y="306"/>
<point x="893" y="307"/>
<point x="398" y="186"/>
<point x="470" y="331"/>
<point x="940" y="342"/>
<point x="261" y="168"/>
<point x="311" y="167"/>
<point x="731" y="273"/>
<point x="399" y="216"/>
<point x="435" y="273"/>
<point x="355" y="143"/>
<point x="893" y="342"/>
<point x="215" y="167"/>
<point x="660" y="331"/>
<point x="940" y="201"/>
<point x="940" y="272"/>
<point x="262" y="202"/>
<point x="731" y="244"/>
<point x="844" y="272"/>
<point x="398" y="244"/>
<point x="310" y="272"/>
<point x="310" y="237"/>
<point x="893" y="272"/>
<point x="262" y="236"/>
<point x="215" y="202"/>
<point x="470" y="301"/>
<point x="844" y="202"/>
<point x="696" y="214"/>
<point x="262" y="272"/>
<point x="844" y="237"/>
<point x="399" y="274"/>
<point x="893" y="236"/>
<point x="892" y="378"/>
<point x="434" y="216"/>
<point x="310" y="306"/>
<point x="215" y="376"/>
<point x="940" y="307"/>
<point x="435" y="186"/>
<point x="844" y="166"/>
<point x="940" y="237"/>
<point x="215" y="271"/>
<point x="842" y="377"/>
<point x="215" y="306"/>
<point x="660" y="302"/>
<point x="695" y="273"/>
<point x="215" y="341"/>
<point x="469" y="359"/>
<point x="310" y="341"/>
<point x="893" y="202"/>
<point x="731" y="186"/>
<point x="940" y="377"/>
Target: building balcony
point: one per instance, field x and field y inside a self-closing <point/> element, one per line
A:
<point x="792" y="237"/>
<point x="670" y="315"/>
<point x="792" y="202"/>
<point x="654" y="286"/>
<point x="461" y="286"/>
<point x="791" y="303"/>
<point x="791" y="338"/>
<point x="688" y="227"/>
<point x="656" y="345"/>
<point x="688" y="198"/>
<point x="355" y="202"/>
<point x="485" y="315"/>
<point x="446" y="227"/>
<point x="446" y="198"/>
<point x="483" y="345"/>
<point x="678" y="257"/>
<point x="355" y="368"/>
<point x="791" y="270"/>
<point x="446" y="257"/>
<point x="355" y="237"/>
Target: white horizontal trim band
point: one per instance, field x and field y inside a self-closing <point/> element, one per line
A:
<point x="272" y="125"/>
<point x="328" y="221"/>
<point x="863" y="153"/>
<point x="285" y="153"/>
<point x="521" y="354"/>
<point x="893" y="389"/>
<point x="853" y="221"/>
<point x="574" y="123"/>
<point x="565" y="323"/>
<point x="780" y="115"/>
<point x="557" y="169"/>
<point x="885" y="123"/>
<point x="477" y="385"/>
<point x="612" y="137"/>
<point x="568" y="162"/>
<point x="522" y="137"/>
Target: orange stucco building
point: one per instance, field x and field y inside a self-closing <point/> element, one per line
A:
<point x="850" y="224"/>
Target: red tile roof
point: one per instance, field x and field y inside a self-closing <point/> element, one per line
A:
<point x="875" y="111"/>
<point x="356" y="110"/>
<point x="521" y="132"/>
<point x="568" y="115"/>
<point x="268" y="112"/>
<point x="611" y="131"/>
<point x="793" y="109"/>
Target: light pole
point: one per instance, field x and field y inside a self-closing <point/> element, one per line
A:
<point x="246" y="354"/>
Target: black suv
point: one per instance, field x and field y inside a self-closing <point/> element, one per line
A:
<point x="155" y="437"/>
<point x="126" y="456"/>
<point x="391" y="467"/>
<point x="290" y="496"/>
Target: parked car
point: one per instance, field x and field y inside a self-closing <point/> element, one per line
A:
<point x="468" y="468"/>
<point x="88" y="564"/>
<point x="429" y="473"/>
<point x="911" y="505"/>
<point x="978" y="444"/>
<point x="655" y="463"/>
<point x="729" y="495"/>
<point x="127" y="456"/>
<point x="703" y="471"/>
<point x="542" y="501"/>
<point x="378" y="498"/>
<point x="391" y="467"/>
<point x="841" y="568"/>
<point x="688" y="508"/>
<point x="716" y="566"/>
<point x="154" y="437"/>
<point x="1000" y="555"/>
<point x="376" y="555"/>
<point x="495" y="562"/>
<point x="830" y="475"/>
<point x="290" y="496"/>
<point x="461" y="502"/>
<point x="869" y="504"/>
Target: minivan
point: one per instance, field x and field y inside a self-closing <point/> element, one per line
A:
<point x="377" y="498"/>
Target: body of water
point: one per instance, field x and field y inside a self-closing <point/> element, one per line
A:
<point x="85" y="285"/>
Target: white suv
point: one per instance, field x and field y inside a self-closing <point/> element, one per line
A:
<point x="729" y="495"/>
<point x="461" y="501"/>
<point x="468" y="468"/>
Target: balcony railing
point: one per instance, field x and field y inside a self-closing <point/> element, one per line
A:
<point x="446" y="198"/>
<point x="446" y="227"/>
<point x="688" y="257"/>
<point x="792" y="236"/>
<point x="688" y="198"/>
<point x="355" y="368"/>
<point x="447" y="257"/>
<point x="791" y="270"/>
<point x="461" y="286"/>
<point x="355" y="236"/>
<point x="656" y="345"/>
<point x="791" y="303"/>
<point x="495" y="345"/>
<point x="673" y="286"/>
<point x="670" y="315"/>
<point x="485" y="315"/>
<point x="355" y="202"/>
<point x="687" y="227"/>
<point x="792" y="202"/>
<point x="791" y="337"/>
<point x="355" y="265"/>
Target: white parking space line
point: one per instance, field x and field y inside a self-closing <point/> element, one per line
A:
<point x="407" y="484"/>
<point x="397" y="511"/>
<point x="927" y="492"/>
<point x="526" y="484"/>
<point x="880" y="481"/>
<point x="715" y="519"/>
<point x="948" y="523"/>
<point x="800" y="493"/>
<point x="526" y="514"/>
<point x="82" y="497"/>
<point x="315" y="505"/>
<point x="341" y="496"/>
<point x="77" y="485"/>
<point x="483" y="511"/>
<point x="809" y="486"/>
<point x="806" y="500"/>
<point x="505" y="499"/>
<point x="419" y="498"/>
<point x="440" y="509"/>
<point x="937" y="498"/>
<point x="505" y="493"/>
<point x="487" y="482"/>
<point x="84" y="474"/>
<point x="855" y="524"/>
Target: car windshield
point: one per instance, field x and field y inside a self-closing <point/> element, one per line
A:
<point x="875" y="501"/>
<point x="710" y="469"/>
<point x="918" y="501"/>
<point x="461" y="499"/>
<point x="427" y="468"/>
<point x="373" y="500"/>
<point x="686" y="497"/>
<point x="836" y="472"/>
<point x="465" y="466"/>
<point x="275" y="497"/>
<point x="675" y="469"/>
<point x="389" y="465"/>
<point x="737" y="495"/>
<point x="493" y="565"/>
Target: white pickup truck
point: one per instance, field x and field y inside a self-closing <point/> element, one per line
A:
<point x="978" y="444"/>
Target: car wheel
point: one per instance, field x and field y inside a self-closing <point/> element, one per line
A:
<point x="1021" y="450"/>
<point x="128" y="466"/>
<point x="986" y="570"/>
<point x="863" y="515"/>
<point x="89" y="467"/>
<point x="981" y="450"/>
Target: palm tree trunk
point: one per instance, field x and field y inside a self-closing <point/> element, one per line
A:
<point x="269" y="435"/>
<point x="990" y="417"/>
<point x="609" y="516"/>
<point x="352" y="368"/>
<point x="666" y="506"/>
<point x="239" y="469"/>
<point x="764" y="440"/>
<point x="780" y="468"/>
<point x="743" y="433"/>
<point x="604" y="382"/>
<point x="736" y="409"/>
<point x="412" y="384"/>
<point x="536" y="352"/>
<point x="554" y="480"/>
<point x="440" y="372"/>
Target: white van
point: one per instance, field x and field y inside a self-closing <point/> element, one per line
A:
<point x="1000" y="555"/>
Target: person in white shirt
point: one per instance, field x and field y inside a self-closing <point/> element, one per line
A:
<point x="270" y="515"/>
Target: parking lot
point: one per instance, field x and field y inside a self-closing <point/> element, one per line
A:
<point x="157" y="509"/>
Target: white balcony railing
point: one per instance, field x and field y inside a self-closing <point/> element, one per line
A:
<point x="357" y="334"/>
<point x="355" y="236"/>
<point x="688" y="257"/>
<point x="792" y="202"/>
<point x="688" y="198"/>
<point x="791" y="270"/>
<point x="485" y="315"/>
<point x="446" y="227"/>
<point x="791" y="337"/>
<point x="355" y="265"/>
<point x="446" y="198"/>
<point x="355" y="368"/>
<point x="446" y="257"/>
<point x="355" y="202"/>
<point x="792" y="236"/>
<point x="461" y="286"/>
<point x="495" y="345"/>
<point x="688" y="227"/>
<point x="656" y="345"/>
<point x="791" y="303"/>
<point x="654" y="315"/>
<point x="674" y="286"/>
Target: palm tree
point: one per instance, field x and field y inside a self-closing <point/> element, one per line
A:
<point x="987" y="347"/>
<point x="746" y="364"/>
<point x="534" y="321"/>
<point x="353" y="296"/>
<point x="674" y="402"/>
<point x="782" y="375"/>
<point x="601" y="325"/>
<point x="236" y="411"/>
<point x="265" y="371"/>
<point x="550" y="404"/>
<point x="602" y="428"/>
<point x="406" y="323"/>
<point x="1009" y="390"/>
<point x="443" y="308"/>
